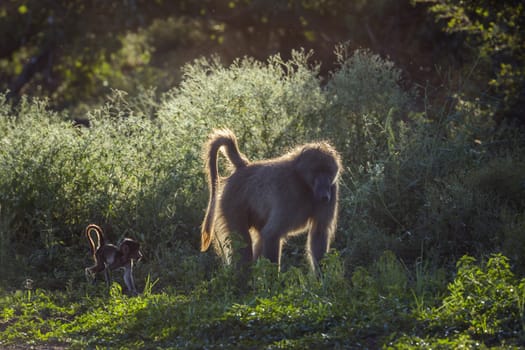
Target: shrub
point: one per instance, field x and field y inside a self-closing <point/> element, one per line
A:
<point x="433" y="194"/>
<point x="138" y="167"/>
<point x="366" y="101"/>
<point x="55" y="179"/>
<point x="263" y="104"/>
<point x="413" y="185"/>
<point x="485" y="304"/>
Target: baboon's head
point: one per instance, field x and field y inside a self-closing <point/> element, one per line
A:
<point x="131" y="249"/>
<point x="319" y="166"/>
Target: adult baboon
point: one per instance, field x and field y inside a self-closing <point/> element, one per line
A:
<point x="268" y="200"/>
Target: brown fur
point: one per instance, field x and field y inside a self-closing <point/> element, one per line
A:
<point x="268" y="200"/>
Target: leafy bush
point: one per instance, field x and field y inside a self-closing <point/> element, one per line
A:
<point x="485" y="304"/>
<point x="366" y="101"/>
<point x="486" y="300"/>
<point x="433" y="194"/>
<point x="264" y="103"/>
<point x="56" y="178"/>
<point x="493" y="32"/>
<point x="138" y="169"/>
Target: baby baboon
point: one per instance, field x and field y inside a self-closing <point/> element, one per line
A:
<point x="110" y="257"/>
<point x="266" y="201"/>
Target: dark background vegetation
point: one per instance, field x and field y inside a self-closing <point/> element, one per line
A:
<point x="104" y="109"/>
<point x="75" y="51"/>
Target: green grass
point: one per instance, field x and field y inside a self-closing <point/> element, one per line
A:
<point x="484" y="305"/>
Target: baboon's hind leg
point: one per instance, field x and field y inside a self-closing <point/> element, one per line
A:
<point x="239" y="235"/>
<point x="271" y="240"/>
<point x="246" y="251"/>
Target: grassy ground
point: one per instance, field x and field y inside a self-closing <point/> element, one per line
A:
<point x="382" y="307"/>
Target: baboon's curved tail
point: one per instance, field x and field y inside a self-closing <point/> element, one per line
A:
<point x="100" y="237"/>
<point x="218" y="139"/>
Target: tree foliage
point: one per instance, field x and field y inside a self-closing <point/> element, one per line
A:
<point x="495" y="30"/>
<point x="75" y="51"/>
